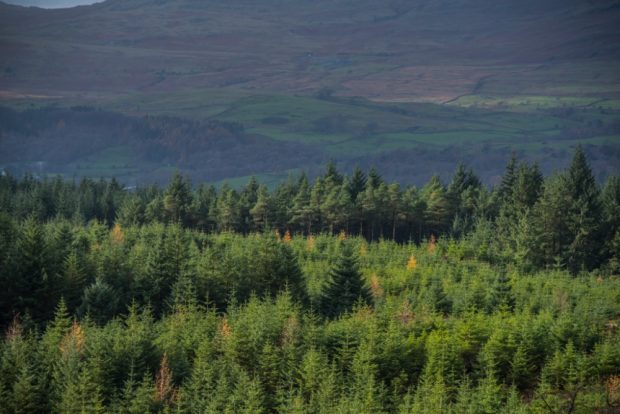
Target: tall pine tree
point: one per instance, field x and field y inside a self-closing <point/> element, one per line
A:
<point x="345" y="287"/>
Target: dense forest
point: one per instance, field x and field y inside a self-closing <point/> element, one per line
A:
<point x="349" y="294"/>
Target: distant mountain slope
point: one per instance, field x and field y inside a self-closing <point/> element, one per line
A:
<point x="393" y="50"/>
<point x="410" y="86"/>
<point x="49" y="4"/>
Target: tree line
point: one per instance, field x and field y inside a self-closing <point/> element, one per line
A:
<point x="565" y="220"/>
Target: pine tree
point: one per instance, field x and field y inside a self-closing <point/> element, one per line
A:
<point x="415" y="211"/>
<point x="74" y="281"/>
<point x="357" y="183"/>
<point x="437" y="206"/>
<point x="584" y="217"/>
<point x="184" y="296"/>
<point x="337" y="207"/>
<point x="550" y="222"/>
<point x="502" y="296"/>
<point x="317" y="197"/>
<point x="345" y="286"/>
<point x="26" y="398"/>
<point x="269" y="374"/>
<point x="374" y="179"/>
<point x="568" y="218"/>
<point x="526" y="189"/>
<point x="261" y="211"/>
<point x="138" y="399"/>
<point x="204" y="207"/>
<point x="178" y="200"/>
<point x="8" y="236"/>
<point x="99" y="302"/>
<point x="131" y="212"/>
<point x="34" y="288"/>
<point x="610" y="199"/>
<point x="508" y="180"/>
<point x="302" y="213"/>
<point x="395" y="207"/>
<point x="332" y="176"/>
<point x="227" y="209"/>
<point x="288" y="272"/>
<point x="247" y="199"/>
<point x="166" y="260"/>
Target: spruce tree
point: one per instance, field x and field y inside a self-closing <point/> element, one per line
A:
<point x="502" y="296"/>
<point x="357" y="183"/>
<point x="74" y="281"/>
<point x="584" y="216"/>
<point x="26" y="392"/>
<point x="437" y="206"/>
<point x="228" y="209"/>
<point x="261" y="211"/>
<point x="508" y="180"/>
<point x="289" y="272"/>
<point x="302" y="213"/>
<point x="99" y="302"/>
<point x="611" y="217"/>
<point x="34" y="287"/>
<point x="345" y="287"/>
<point x="178" y="200"/>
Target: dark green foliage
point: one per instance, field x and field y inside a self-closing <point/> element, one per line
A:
<point x="99" y="302"/>
<point x="177" y="200"/>
<point x="611" y="222"/>
<point x="345" y="286"/>
<point x="584" y="215"/>
<point x="34" y="287"/>
<point x="160" y="313"/>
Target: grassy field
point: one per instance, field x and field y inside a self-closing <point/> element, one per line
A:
<point x="363" y="126"/>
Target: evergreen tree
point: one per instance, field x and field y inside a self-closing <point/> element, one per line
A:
<point x="502" y="296"/>
<point x="317" y="197"/>
<point x="166" y="260"/>
<point x="262" y="210"/>
<point x="99" y="302"/>
<point x="332" y="176"/>
<point x="74" y="281"/>
<point x="227" y="209"/>
<point x="357" y="183"/>
<point x="526" y="189"/>
<point x="550" y="222"/>
<point x="131" y="212"/>
<point x="584" y="215"/>
<point x="138" y="399"/>
<point x="610" y="199"/>
<point x="178" y="200"/>
<point x="437" y="206"/>
<point x="508" y="180"/>
<point x="345" y="286"/>
<point x="26" y="398"/>
<point x="302" y="213"/>
<point x="289" y="272"/>
<point x="374" y="179"/>
<point x="395" y="207"/>
<point x="247" y="200"/>
<point x="204" y="208"/>
<point x="415" y="212"/>
<point x="34" y="288"/>
<point x="337" y="207"/>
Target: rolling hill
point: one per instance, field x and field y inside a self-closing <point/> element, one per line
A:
<point x="411" y="86"/>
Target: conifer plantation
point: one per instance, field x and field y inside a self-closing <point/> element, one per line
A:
<point x="338" y="294"/>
